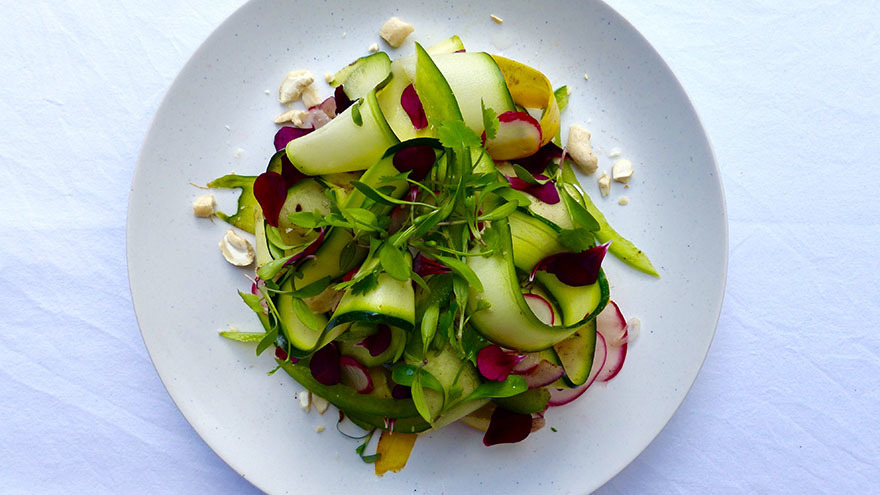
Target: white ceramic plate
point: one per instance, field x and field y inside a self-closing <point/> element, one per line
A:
<point x="217" y="118"/>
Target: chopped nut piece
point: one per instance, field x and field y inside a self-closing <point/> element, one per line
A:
<point x="204" y="206"/>
<point x="305" y="400"/>
<point x="373" y="48"/>
<point x="497" y="19"/>
<point x="328" y="77"/>
<point x="622" y="171"/>
<point x="311" y="97"/>
<point x="295" y="117"/>
<point x="319" y="429"/>
<point x="586" y="77"/>
<point x="633" y="327"/>
<point x="604" y="184"/>
<point x="236" y="250"/>
<point x="614" y="152"/>
<point x="294" y="84"/>
<point x="320" y="403"/>
<point x="394" y="31"/>
<point x="623" y="201"/>
<point x="580" y="149"/>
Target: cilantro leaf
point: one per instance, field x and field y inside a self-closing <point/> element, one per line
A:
<point x="455" y="134"/>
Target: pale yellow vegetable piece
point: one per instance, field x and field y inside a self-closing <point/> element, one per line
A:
<point x="531" y="89"/>
<point x="395" y="449"/>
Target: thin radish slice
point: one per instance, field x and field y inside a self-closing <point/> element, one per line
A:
<point x="562" y="396"/>
<point x="527" y="364"/>
<point x="543" y="374"/>
<point x="541" y="307"/>
<point x="518" y="136"/>
<point x="611" y="324"/>
<point x="355" y="375"/>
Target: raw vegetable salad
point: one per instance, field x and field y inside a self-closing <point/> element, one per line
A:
<point x="425" y="253"/>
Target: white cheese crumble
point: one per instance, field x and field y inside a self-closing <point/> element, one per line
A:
<point x="236" y="249"/>
<point x="293" y="85"/>
<point x="623" y="201"/>
<point x="295" y="117"/>
<point x="497" y="19"/>
<point x="394" y="31"/>
<point x="622" y="171"/>
<point x="373" y="48"/>
<point x="604" y="184"/>
<point x="580" y="149"/>
<point x="204" y="206"/>
<point x="328" y="77"/>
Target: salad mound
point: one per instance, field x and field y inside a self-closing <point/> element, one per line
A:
<point x="425" y="253"/>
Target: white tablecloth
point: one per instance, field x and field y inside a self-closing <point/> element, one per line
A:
<point x="788" y="400"/>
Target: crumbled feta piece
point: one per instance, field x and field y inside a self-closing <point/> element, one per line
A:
<point x="373" y="48"/>
<point x="497" y="19"/>
<point x="236" y="249"/>
<point x="204" y="206"/>
<point x="328" y="77"/>
<point x="311" y="97"/>
<point x="295" y="117"/>
<point x="623" y="201"/>
<point x="320" y="403"/>
<point x="604" y="184"/>
<point x="622" y="170"/>
<point x="580" y="149"/>
<point x="394" y="31"/>
<point x="319" y="429"/>
<point x="305" y="400"/>
<point x="293" y="85"/>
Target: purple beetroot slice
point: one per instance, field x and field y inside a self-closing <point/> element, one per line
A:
<point x="412" y="105"/>
<point x="270" y="190"/>
<point x="287" y="134"/>
<point x="378" y="342"/>
<point x="538" y="162"/>
<point x="291" y="174"/>
<point x="417" y="159"/>
<point x="507" y="427"/>
<point x="546" y="192"/>
<point x="495" y="363"/>
<point x="424" y="266"/>
<point x="342" y="99"/>
<point x="575" y="269"/>
<point x="324" y="365"/>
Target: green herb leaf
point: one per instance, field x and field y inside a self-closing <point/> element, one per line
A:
<point x="313" y="289"/>
<point x="418" y="397"/>
<point x="243" y="336"/>
<point x="520" y="198"/>
<point x="578" y="213"/>
<point x="577" y="239"/>
<point x="247" y="203"/>
<point x="356" y="116"/>
<point x="456" y="134"/>
<point x="462" y="270"/>
<point x="404" y="374"/>
<point x="268" y="340"/>
<point x="525" y="175"/>
<point x="305" y="219"/>
<point x="253" y="301"/>
<point x="394" y="262"/>
<point x="429" y="326"/>
<point x="499" y="212"/>
<point x="513" y="385"/>
<point x="348" y="257"/>
<point x="273" y="236"/>
<point x="305" y="315"/>
<point x="490" y="121"/>
<point x="366" y="284"/>
<point x="365" y="219"/>
<point x="561" y="95"/>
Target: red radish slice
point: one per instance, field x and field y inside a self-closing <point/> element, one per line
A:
<point x="527" y="364"/>
<point x="541" y="307"/>
<point x="562" y="396"/>
<point x="518" y="136"/>
<point x="507" y="427"/>
<point x="316" y="118"/>
<point x="543" y="374"/>
<point x="611" y="324"/>
<point x="355" y="375"/>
